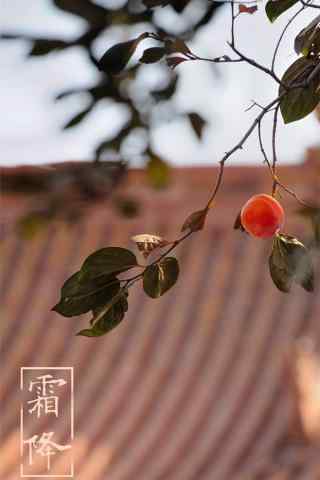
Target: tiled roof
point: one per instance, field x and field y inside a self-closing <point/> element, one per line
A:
<point x="194" y="385"/>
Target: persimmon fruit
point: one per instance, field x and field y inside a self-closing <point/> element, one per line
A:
<point x="262" y="216"/>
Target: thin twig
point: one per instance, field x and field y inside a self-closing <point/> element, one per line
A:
<point x="281" y="37"/>
<point x="256" y="64"/>
<point x="274" y="150"/>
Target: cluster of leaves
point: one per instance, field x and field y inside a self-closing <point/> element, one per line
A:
<point x="66" y="191"/>
<point x="96" y="287"/>
<point x="115" y="81"/>
<point x="300" y="84"/>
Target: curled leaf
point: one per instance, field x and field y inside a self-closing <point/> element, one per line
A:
<point x="290" y="262"/>
<point x="308" y="40"/>
<point x="160" y="277"/>
<point x="107" y="318"/>
<point x="195" y="221"/>
<point x="147" y="243"/>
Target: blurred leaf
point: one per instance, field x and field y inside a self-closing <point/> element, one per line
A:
<point x="106" y="261"/>
<point x="197" y="123"/>
<point x="158" y="172"/>
<point x="126" y="206"/>
<point x="274" y="8"/>
<point x="116" y="58"/>
<point x="173" y="62"/>
<point x="177" y="46"/>
<point x="32" y="223"/>
<point x="44" y="46"/>
<point x="299" y="102"/>
<point x="159" y="278"/>
<point x="91" y="12"/>
<point x="290" y="261"/>
<point x="78" y="118"/>
<point x="308" y="40"/>
<point x="79" y="295"/>
<point x="245" y="9"/>
<point x="107" y="317"/>
<point x="195" y="221"/>
<point x="152" y="55"/>
<point x="147" y="243"/>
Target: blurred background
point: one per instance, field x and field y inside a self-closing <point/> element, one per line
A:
<point x="219" y="379"/>
<point x="32" y="134"/>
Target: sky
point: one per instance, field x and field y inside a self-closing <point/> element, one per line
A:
<point x="30" y="130"/>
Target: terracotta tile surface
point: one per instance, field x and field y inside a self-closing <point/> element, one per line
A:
<point x="195" y="385"/>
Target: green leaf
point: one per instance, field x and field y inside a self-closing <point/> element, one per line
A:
<point x="158" y="172"/>
<point x="107" y="318"/>
<point x="197" y="123"/>
<point x="152" y="55"/>
<point x="299" y="102"/>
<point x="116" y="58"/>
<point x="79" y="296"/>
<point x="290" y="262"/>
<point x="159" y="278"/>
<point x="195" y="221"/>
<point x="274" y="8"/>
<point x="308" y="40"/>
<point x="107" y="261"/>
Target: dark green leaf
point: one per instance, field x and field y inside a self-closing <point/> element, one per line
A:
<point x="197" y="123"/>
<point x="106" y="261"/>
<point x="107" y="317"/>
<point x="116" y="58"/>
<point x="299" y="102"/>
<point x="195" y="221"/>
<point x="274" y="8"/>
<point x="152" y="55"/>
<point x="159" y="278"/>
<point x="290" y="262"/>
<point x="78" y="118"/>
<point x="78" y="296"/>
<point x="308" y="40"/>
